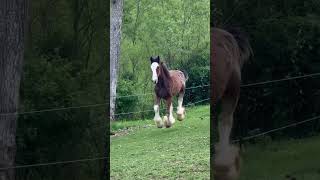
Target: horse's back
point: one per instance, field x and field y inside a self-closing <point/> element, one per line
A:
<point x="178" y="80"/>
<point x="224" y="61"/>
<point x="177" y="73"/>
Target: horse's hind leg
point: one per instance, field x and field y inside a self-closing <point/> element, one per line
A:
<point x="157" y="119"/>
<point x="180" y="109"/>
<point x="169" y="119"/>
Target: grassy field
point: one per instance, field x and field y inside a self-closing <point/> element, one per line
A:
<point x="145" y="152"/>
<point x="275" y="160"/>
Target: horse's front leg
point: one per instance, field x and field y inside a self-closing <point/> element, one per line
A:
<point x="180" y="109"/>
<point x="169" y="113"/>
<point x="227" y="157"/>
<point x="157" y="119"/>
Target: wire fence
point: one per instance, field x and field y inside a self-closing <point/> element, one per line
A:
<point x="133" y="95"/>
<point x="145" y="94"/>
<point x="104" y="157"/>
<point x="77" y="160"/>
<point x="284" y="127"/>
<point x="190" y="104"/>
<point x="151" y="110"/>
<point x="84" y="106"/>
<point x="245" y="85"/>
<point x="246" y="138"/>
<point x="276" y="129"/>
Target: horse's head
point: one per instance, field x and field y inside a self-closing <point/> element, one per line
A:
<point x="155" y="67"/>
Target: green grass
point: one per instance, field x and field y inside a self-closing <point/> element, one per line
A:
<point x="273" y="161"/>
<point x="147" y="152"/>
<point x="120" y="125"/>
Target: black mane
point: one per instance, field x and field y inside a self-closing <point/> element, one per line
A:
<point x="242" y="39"/>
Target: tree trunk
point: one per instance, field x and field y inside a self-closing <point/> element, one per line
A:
<point x="115" y="37"/>
<point x="12" y="29"/>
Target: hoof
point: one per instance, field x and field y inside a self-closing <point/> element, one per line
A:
<point x="227" y="163"/>
<point x="180" y="117"/>
<point x="172" y="120"/>
<point x="181" y="114"/>
<point x="158" y="122"/>
<point x="166" y="122"/>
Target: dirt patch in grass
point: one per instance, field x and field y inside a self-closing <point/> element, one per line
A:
<point x="128" y="130"/>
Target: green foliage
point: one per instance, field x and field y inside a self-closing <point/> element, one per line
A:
<point x="177" y="31"/>
<point x="65" y="65"/>
<point x="198" y="69"/>
<point x="284" y="36"/>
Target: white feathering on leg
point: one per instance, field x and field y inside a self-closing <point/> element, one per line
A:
<point x="166" y="121"/>
<point x="171" y="118"/>
<point x="157" y="119"/>
<point x="180" y="109"/>
<point x="227" y="162"/>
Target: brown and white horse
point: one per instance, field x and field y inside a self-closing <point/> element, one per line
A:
<point x="229" y="51"/>
<point x="167" y="85"/>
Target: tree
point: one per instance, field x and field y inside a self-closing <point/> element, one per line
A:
<point x="175" y="30"/>
<point x="12" y="28"/>
<point x="115" y="37"/>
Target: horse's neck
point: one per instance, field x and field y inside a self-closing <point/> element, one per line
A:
<point x="164" y="80"/>
<point x="165" y="71"/>
<point x="163" y="87"/>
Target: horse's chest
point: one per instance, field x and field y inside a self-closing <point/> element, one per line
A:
<point x="162" y="92"/>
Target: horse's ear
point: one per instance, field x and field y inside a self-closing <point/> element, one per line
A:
<point x="158" y="59"/>
<point x="151" y="59"/>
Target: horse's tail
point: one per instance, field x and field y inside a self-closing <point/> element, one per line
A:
<point x="242" y="39"/>
<point x="186" y="76"/>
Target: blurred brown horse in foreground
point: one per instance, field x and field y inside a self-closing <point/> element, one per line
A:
<point x="230" y="50"/>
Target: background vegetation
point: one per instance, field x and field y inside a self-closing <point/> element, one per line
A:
<point x="65" y="65"/>
<point x="285" y="40"/>
<point x="177" y="31"/>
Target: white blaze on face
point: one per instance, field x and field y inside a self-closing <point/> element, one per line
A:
<point x="154" y="66"/>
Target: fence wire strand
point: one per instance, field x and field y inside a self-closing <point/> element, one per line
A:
<point x="277" y="129"/>
<point x="280" y="80"/>
<point x="135" y="95"/>
<point x="55" y="163"/>
<point x="54" y="109"/>
<point x="137" y="112"/>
